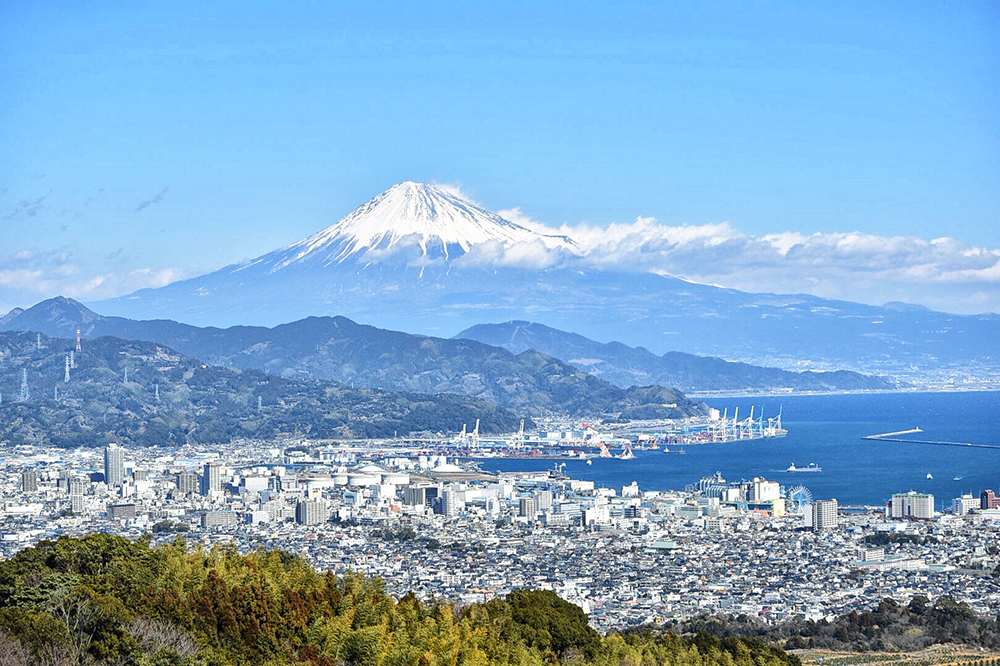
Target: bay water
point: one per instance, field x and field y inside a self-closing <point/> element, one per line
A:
<point x="827" y="430"/>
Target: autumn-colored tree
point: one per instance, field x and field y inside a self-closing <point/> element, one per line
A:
<point x="106" y="600"/>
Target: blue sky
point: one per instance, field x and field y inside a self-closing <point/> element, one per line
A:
<point x="144" y="142"/>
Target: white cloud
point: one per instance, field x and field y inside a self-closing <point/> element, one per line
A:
<point x="534" y="255"/>
<point x="942" y="273"/>
<point x="516" y="216"/>
<point x="28" y="276"/>
<point x="785" y="241"/>
<point x="19" y="278"/>
<point x="454" y="189"/>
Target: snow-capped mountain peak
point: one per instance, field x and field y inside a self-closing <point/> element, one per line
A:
<point x="437" y="220"/>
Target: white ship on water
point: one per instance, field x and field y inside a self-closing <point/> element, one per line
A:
<point x="811" y="467"/>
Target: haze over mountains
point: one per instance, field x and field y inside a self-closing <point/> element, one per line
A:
<point x="525" y="376"/>
<point x="422" y="259"/>
<point x="325" y="348"/>
<point x="630" y="366"/>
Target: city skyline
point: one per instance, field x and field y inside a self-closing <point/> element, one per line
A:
<point x="367" y="509"/>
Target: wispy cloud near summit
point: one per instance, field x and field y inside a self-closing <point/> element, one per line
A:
<point x="942" y="273"/>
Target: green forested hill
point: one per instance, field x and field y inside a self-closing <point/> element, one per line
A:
<point x="105" y="600"/>
<point x="338" y="349"/>
<point x="890" y="626"/>
<point x="170" y="399"/>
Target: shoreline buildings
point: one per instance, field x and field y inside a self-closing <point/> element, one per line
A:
<point x="626" y="555"/>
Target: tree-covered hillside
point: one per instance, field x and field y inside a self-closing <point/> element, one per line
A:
<point x="341" y="350"/>
<point x="106" y="600"/>
<point x="144" y="393"/>
<point x="890" y="626"/>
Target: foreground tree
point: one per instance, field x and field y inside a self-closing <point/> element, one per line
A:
<point x="106" y="600"/>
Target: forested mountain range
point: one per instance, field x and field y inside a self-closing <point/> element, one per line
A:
<point x="148" y="394"/>
<point x="629" y="366"/>
<point x="338" y="349"/>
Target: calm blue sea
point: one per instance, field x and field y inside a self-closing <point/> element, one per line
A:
<point x="827" y="430"/>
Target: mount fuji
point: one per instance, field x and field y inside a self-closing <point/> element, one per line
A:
<point x="404" y="218"/>
<point x="421" y="258"/>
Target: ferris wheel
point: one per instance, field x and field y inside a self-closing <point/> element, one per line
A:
<point x="798" y="498"/>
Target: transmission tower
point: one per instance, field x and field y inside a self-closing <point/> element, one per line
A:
<point x="38" y="341"/>
<point x="79" y="348"/>
<point x="69" y="364"/>
<point x="24" y="386"/>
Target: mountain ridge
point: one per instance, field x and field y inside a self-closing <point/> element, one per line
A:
<point x="339" y="349"/>
<point x="626" y="366"/>
<point x="412" y="282"/>
<point x="146" y="393"/>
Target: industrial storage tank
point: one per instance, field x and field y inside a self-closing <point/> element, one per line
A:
<point x="363" y="480"/>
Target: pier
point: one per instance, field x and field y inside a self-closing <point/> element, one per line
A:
<point x="894" y="437"/>
<point x="886" y="435"/>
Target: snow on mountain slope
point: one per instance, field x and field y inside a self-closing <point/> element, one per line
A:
<point x="422" y="259"/>
<point x="439" y="222"/>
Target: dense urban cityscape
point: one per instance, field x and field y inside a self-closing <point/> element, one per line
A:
<point x="442" y="530"/>
<point x="500" y="334"/>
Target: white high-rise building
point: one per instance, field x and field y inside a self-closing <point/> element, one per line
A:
<point x="912" y="505"/>
<point x="211" y="478"/>
<point x="962" y="505"/>
<point x="824" y="515"/>
<point x="187" y="483"/>
<point x="114" y="465"/>
<point x="762" y="490"/>
<point x="29" y="482"/>
<point x="311" y="512"/>
<point x="452" y="502"/>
